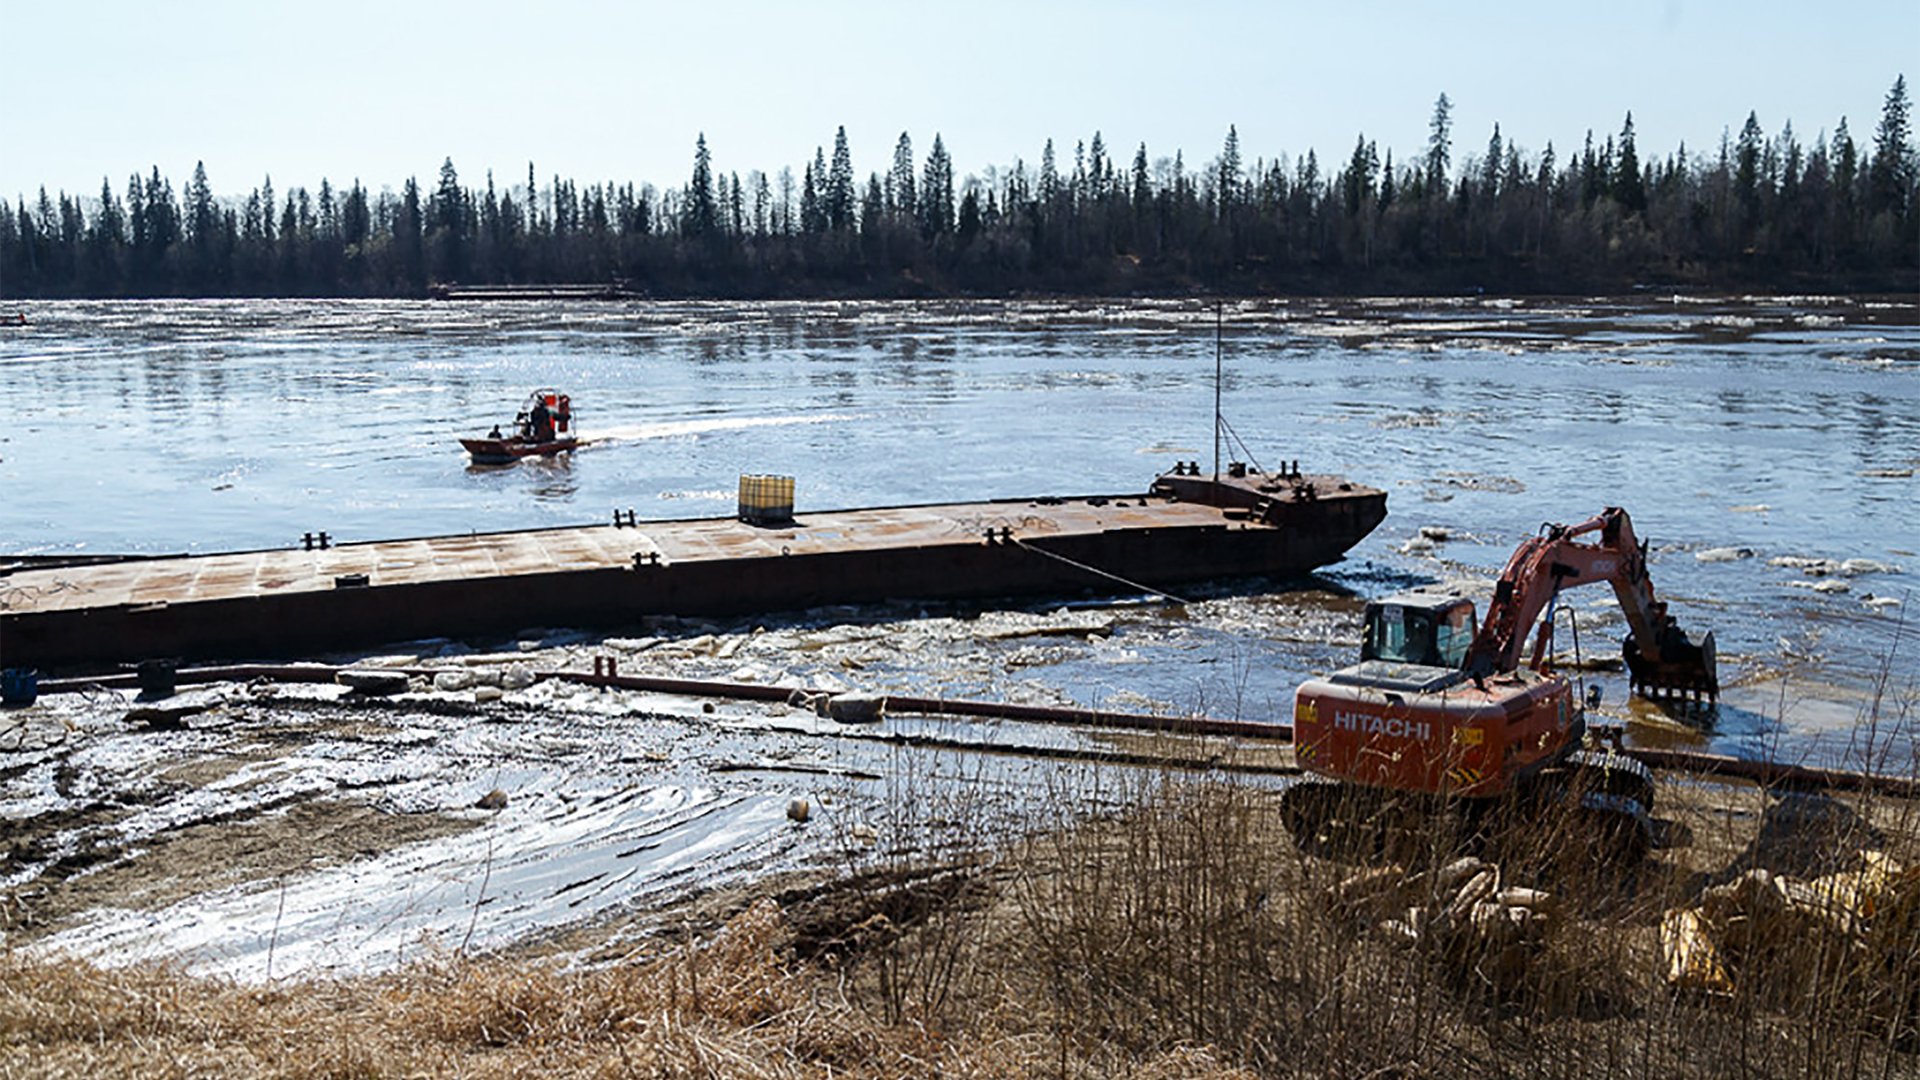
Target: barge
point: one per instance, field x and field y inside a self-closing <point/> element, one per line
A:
<point x="320" y="596"/>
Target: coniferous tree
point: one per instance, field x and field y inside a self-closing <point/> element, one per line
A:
<point x="813" y="215"/>
<point x="408" y="238"/>
<point x="1100" y="169"/>
<point x="699" y="216"/>
<point x="1229" y="175"/>
<point x="762" y="204"/>
<point x="840" y="194"/>
<point x="447" y="236"/>
<point x="1628" y="189"/>
<point x="936" y="191"/>
<point x="1746" y="174"/>
<point x="105" y="242"/>
<point x="202" y="231"/>
<point x="1766" y="208"/>
<point x="1049" y="188"/>
<point x="1439" y="148"/>
<point x="1890" y="173"/>
<point x="900" y="186"/>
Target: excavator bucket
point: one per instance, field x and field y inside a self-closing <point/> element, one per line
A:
<point x="1681" y="667"/>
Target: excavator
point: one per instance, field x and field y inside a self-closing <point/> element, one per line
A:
<point x="1439" y="709"/>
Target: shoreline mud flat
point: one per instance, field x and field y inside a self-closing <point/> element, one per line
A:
<point x="238" y="827"/>
<point x="266" y="830"/>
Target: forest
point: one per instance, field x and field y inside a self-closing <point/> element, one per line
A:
<point x="1759" y="211"/>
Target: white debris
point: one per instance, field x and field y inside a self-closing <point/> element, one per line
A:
<point x="763" y="674"/>
<point x="1877" y="602"/>
<point x="1439" y="534"/>
<point x="1813" y="567"/>
<point x="452" y="681"/>
<point x="1724" y="554"/>
<point x="1808" y="566"/>
<point x="517" y="678"/>
<point x="1855" y="567"/>
<point x="1417" y="545"/>
<point x="631" y="645"/>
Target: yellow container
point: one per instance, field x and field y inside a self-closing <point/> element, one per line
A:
<point x="765" y="499"/>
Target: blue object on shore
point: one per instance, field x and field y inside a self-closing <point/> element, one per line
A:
<point x="19" y="686"/>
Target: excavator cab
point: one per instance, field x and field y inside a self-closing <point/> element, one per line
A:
<point x="1427" y="629"/>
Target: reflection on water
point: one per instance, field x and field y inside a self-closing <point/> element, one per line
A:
<point x="547" y="479"/>
<point x="1784" y="429"/>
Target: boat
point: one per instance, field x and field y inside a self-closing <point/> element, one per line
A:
<point x="319" y="596"/>
<point x="542" y="428"/>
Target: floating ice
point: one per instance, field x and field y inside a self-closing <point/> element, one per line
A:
<point x="1724" y="554"/>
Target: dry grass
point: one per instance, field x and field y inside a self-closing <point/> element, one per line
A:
<point x="1179" y="934"/>
<point x="1182" y="937"/>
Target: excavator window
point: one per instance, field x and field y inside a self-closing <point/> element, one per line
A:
<point x="1455" y="633"/>
<point x="1411" y="634"/>
<point x="1400" y="635"/>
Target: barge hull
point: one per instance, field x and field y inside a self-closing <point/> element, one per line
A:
<point x="291" y="603"/>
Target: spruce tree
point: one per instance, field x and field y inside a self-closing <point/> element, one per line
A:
<point x="900" y="185"/>
<point x="1890" y="173"/>
<point x="1439" y="147"/>
<point x="1746" y="172"/>
<point x="1229" y="175"/>
<point x="840" y="193"/>
<point x="699" y="217"/>
<point x="1628" y="190"/>
<point x="936" y="190"/>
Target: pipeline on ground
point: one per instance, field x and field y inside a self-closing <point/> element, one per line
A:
<point x="1767" y="774"/>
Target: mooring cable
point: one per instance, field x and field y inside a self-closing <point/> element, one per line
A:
<point x="1150" y="591"/>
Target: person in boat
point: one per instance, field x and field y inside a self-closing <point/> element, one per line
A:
<point x="540" y="423"/>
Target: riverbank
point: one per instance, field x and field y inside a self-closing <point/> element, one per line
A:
<point x="1178" y="934"/>
<point x="486" y="874"/>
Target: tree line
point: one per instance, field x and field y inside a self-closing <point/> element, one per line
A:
<point x="1759" y="210"/>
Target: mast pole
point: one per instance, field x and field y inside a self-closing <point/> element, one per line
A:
<point x="1219" y="318"/>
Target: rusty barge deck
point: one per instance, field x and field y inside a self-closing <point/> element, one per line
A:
<point x="282" y="603"/>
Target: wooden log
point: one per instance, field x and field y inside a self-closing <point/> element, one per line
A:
<point x="1692" y="959"/>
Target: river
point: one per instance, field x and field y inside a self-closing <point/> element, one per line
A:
<point x="1738" y="432"/>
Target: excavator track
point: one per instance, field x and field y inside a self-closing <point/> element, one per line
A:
<point x="1610" y="799"/>
<point x="1604" y="798"/>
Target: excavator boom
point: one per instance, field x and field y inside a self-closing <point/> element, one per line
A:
<point x="1660" y="657"/>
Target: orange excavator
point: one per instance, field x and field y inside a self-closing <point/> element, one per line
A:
<point x="1440" y="708"/>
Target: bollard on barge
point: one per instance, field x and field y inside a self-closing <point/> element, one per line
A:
<point x="321" y="596"/>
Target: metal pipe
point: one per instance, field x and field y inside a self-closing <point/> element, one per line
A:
<point x="1776" y="774"/>
<point x="1768" y="774"/>
<point x="903" y="703"/>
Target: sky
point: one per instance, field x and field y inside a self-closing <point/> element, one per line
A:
<point x="619" y="91"/>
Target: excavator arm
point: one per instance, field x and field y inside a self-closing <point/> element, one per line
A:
<point x="1660" y="657"/>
